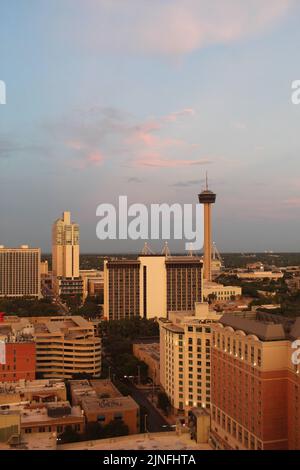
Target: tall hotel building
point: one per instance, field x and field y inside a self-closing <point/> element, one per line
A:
<point x="65" y="256"/>
<point x="20" y="274"/>
<point x="185" y="361"/>
<point x="255" y="385"/>
<point x="151" y="286"/>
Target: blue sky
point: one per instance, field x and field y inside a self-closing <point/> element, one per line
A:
<point x="111" y="97"/>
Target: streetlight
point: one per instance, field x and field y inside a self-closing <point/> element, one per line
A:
<point x="152" y="390"/>
<point x="145" y="423"/>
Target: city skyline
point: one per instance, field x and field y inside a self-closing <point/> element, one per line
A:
<point x="146" y="102"/>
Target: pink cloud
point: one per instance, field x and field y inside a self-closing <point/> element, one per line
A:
<point x="172" y="117"/>
<point x="146" y="133"/>
<point x="116" y="135"/>
<point x="175" y="27"/>
<point x="157" y="161"/>
<point x="95" y="158"/>
<point x="292" y="202"/>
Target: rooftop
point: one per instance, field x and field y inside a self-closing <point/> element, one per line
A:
<point x="70" y="327"/>
<point x="33" y="441"/>
<point x="153" y="349"/>
<point x="31" y="386"/>
<point x="266" y="326"/>
<point x="154" y="441"/>
<point x="96" y="405"/>
<point x="41" y="415"/>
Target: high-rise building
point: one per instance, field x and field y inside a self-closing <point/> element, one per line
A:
<point x="65" y="247"/>
<point x="65" y="256"/>
<point x="185" y="342"/>
<point x="151" y="286"/>
<point x="20" y="274"/>
<point x="255" y="385"/>
<point x="207" y="198"/>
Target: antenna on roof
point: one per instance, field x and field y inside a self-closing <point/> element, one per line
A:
<point x="147" y="250"/>
<point x="191" y="250"/>
<point x="166" y="250"/>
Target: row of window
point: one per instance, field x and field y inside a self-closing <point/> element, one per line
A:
<point x="239" y="433"/>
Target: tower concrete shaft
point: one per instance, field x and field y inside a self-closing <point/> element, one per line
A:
<point x="207" y="198"/>
<point x="207" y="242"/>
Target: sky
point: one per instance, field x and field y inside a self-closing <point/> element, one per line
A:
<point x="142" y="98"/>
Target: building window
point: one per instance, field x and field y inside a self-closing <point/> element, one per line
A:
<point x="259" y="357"/>
<point x="234" y="429"/>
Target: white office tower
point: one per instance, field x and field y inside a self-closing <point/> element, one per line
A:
<point x="65" y="256"/>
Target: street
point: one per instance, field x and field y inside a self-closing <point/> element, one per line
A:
<point x="155" y="421"/>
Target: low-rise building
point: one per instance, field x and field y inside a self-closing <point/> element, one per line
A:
<point x="65" y="345"/>
<point x="35" y="392"/>
<point x="37" y="407"/>
<point x="52" y="417"/>
<point x="199" y="425"/>
<point x="149" y="353"/>
<point x="219" y="292"/>
<point x="102" y="403"/>
<point x="93" y="282"/>
<point x="17" y="354"/>
<point x="10" y="425"/>
<point x="253" y="275"/>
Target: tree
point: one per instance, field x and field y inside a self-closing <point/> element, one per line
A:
<point x="69" y="436"/>
<point x="82" y="376"/>
<point x="115" y="428"/>
<point x="93" y="431"/>
<point x="212" y="298"/>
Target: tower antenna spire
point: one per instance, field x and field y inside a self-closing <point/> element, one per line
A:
<point x="206" y="181"/>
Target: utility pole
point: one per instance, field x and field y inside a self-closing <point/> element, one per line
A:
<point x="145" y="423"/>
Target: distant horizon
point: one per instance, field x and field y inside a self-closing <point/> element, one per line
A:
<point x="246" y="253"/>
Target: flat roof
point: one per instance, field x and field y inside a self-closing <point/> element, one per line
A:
<point x="152" y="349"/>
<point x="151" y="441"/>
<point x="96" y="405"/>
<point x="105" y="387"/>
<point x="40" y="415"/>
<point x="37" y="386"/>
